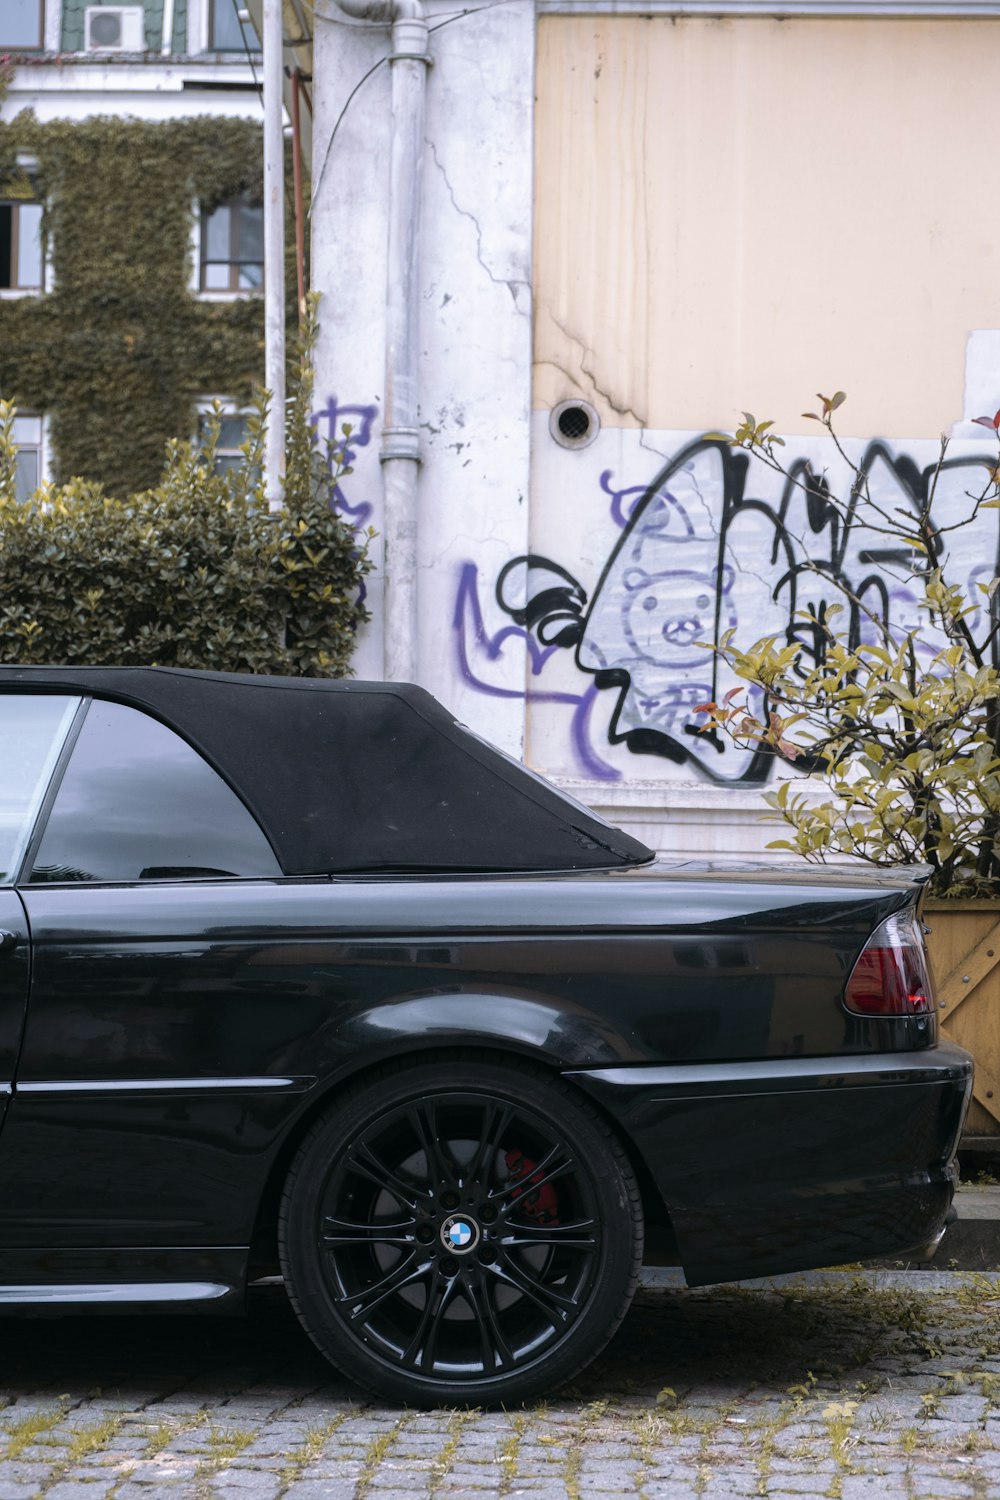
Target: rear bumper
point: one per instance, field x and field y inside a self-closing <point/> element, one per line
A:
<point x="792" y="1163"/>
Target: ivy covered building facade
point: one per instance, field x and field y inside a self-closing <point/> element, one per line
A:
<point x="131" y="246"/>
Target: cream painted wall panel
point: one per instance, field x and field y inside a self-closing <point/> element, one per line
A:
<point x="741" y="211"/>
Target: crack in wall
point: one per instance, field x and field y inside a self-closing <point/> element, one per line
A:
<point x="650" y="447"/>
<point x="562" y="370"/>
<point x="606" y="397"/>
<point x="513" y="284"/>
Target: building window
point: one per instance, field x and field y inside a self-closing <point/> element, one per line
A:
<point x="21" y="267"/>
<point x="232" y="248"/>
<point x="234" y="432"/>
<point x="28" y="436"/>
<point x="230" y="28"/>
<point x="22" y="24"/>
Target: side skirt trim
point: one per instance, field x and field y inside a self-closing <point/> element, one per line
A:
<point x="205" y="1277"/>
<point x="122" y="1292"/>
<point x="266" y="1085"/>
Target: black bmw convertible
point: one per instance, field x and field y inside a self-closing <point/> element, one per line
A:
<point x="302" y="978"/>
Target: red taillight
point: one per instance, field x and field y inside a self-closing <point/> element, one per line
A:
<point x="891" y="977"/>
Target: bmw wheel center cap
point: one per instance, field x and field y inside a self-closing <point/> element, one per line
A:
<point x="459" y="1234"/>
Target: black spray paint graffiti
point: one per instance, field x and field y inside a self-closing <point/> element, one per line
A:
<point x="698" y="556"/>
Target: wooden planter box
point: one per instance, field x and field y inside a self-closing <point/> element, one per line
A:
<point x="964" y="944"/>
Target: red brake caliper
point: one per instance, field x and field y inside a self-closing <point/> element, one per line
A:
<point x="541" y="1203"/>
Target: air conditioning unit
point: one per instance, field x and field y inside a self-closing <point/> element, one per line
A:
<point x="113" y="28"/>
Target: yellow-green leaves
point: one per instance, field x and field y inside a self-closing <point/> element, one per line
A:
<point x="829" y="406"/>
<point x="902" y="739"/>
<point x="889" y="695"/>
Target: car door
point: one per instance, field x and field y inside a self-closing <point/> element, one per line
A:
<point x="33" y="731"/>
<point x="145" y="889"/>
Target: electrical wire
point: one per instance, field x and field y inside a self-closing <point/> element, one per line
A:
<point x="258" y="84"/>
<point x="457" y="15"/>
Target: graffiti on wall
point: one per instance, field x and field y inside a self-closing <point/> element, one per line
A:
<point x="329" y="423"/>
<point x="695" y="554"/>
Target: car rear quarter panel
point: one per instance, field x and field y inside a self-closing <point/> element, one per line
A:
<point x="177" y="1034"/>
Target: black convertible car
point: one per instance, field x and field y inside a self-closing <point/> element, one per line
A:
<point x="302" y="977"/>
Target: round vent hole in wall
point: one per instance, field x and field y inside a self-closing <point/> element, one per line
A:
<point x="574" y="424"/>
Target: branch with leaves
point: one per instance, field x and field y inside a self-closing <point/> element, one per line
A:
<point x="905" y="738"/>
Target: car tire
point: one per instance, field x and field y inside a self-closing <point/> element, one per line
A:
<point x="461" y="1231"/>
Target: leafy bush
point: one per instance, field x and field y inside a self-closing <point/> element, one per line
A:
<point x="194" y="573"/>
<point x="904" y="734"/>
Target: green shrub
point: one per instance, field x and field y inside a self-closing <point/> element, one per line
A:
<point x="193" y="573"/>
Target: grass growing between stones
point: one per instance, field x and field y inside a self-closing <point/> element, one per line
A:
<point x="317" y="1435"/>
<point x="860" y="1385"/>
<point x="158" y="1438"/>
<point x="377" y="1451"/>
<point x="590" y="1415"/>
<point x="442" y="1464"/>
<point x="226" y="1443"/>
<point x="24" y="1432"/>
<point x="508" y="1449"/>
<point x="846" y="1379"/>
<point x="93" y="1437"/>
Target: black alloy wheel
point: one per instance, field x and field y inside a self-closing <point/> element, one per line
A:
<point x="461" y="1231"/>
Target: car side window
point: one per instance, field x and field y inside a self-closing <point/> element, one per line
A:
<point x="138" y="803"/>
<point x="33" y="727"/>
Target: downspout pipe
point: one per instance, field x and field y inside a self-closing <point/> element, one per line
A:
<point x="400" y="456"/>
<point x="300" y="215"/>
<point x="167" y="29"/>
<point x="272" y="41"/>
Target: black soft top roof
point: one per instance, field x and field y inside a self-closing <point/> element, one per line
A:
<point x="355" y="776"/>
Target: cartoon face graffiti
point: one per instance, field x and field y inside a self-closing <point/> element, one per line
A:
<point x="670" y="617"/>
<point x="670" y="590"/>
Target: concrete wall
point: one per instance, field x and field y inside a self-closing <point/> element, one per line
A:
<point x="731" y="212"/>
<point x="724" y="213"/>
<point x="475" y="277"/>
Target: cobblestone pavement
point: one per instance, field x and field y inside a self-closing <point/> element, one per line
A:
<point x="850" y="1386"/>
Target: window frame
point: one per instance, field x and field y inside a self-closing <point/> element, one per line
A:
<point x="44" y="284"/>
<point x="42" y="447"/>
<point x="33" y="844"/>
<point x="199" y="260"/>
<point x="39" y="46"/>
<point x="211" y="44"/>
<point x="56" y="771"/>
<point x="226" y="406"/>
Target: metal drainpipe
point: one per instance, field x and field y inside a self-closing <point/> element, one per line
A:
<point x="400" y="456"/>
<point x="274" y="251"/>
<point x="167" y="29"/>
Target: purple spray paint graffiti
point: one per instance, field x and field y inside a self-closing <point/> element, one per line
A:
<point x="361" y="420"/>
<point x="696" y="556"/>
<point x="474" y="644"/>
